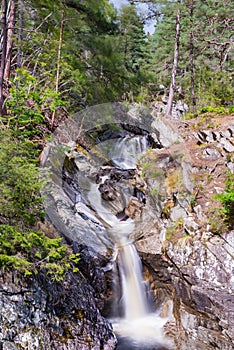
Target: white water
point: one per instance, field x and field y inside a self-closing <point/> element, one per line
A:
<point x="139" y="326"/>
<point x="95" y="199"/>
<point x="126" y="153"/>
<point x="135" y="303"/>
<point x="138" y="323"/>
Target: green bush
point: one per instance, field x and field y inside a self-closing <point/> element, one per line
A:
<point x="31" y="251"/>
<point x="30" y="106"/>
<point x="20" y="183"/>
<point x="217" y="110"/>
<point x="227" y="200"/>
<point x="21" y="247"/>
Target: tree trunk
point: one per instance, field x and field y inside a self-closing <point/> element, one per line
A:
<point x="191" y="60"/>
<point x="58" y="63"/>
<point x="20" y="34"/>
<point x="175" y="65"/>
<point x="10" y="31"/>
<point x="3" y="58"/>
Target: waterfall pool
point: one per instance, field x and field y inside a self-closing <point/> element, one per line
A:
<point x="145" y="333"/>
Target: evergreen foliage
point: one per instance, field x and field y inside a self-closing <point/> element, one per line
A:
<point x="20" y="201"/>
<point x="227" y="200"/>
<point x="30" y="106"/>
<point x="31" y="251"/>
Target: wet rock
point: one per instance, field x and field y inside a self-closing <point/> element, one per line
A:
<point x="172" y="189"/>
<point x="134" y="208"/>
<point x="91" y="266"/>
<point x="108" y="192"/>
<point x="168" y="136"/>
<point x="204" y="286"/>
<point x="50" y="316"/>
<point x="199" y="213"/>
<point x="179" y="108"/>
<point x="227" y="133"/>
<point x="83" y="142"/>
<point x="190" y="226"/>
<point x="114" y="174"/>
<point x="206" y="136"/>
<point x="70" y="181"/>
<point x="177" y="212"/>
<point x="139" y="195"/>
<point x="230" y="166"/>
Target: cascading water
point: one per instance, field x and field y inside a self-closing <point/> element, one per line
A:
<point x="138" y="327"/>
<point x="135" y="303"/>
<point x="126" y="153"/>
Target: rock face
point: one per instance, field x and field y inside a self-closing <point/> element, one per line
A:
<point x="198" y="247"/>
<point x="39" y="314"/>
<point x="181" y="237"/>
<point x="202" y="275"/>
<point x="185" y="244"/>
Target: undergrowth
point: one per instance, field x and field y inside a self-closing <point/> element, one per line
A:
<point x="210" y="111"/>
<point x="227" y="200"/>
<point x="32" y="251"/>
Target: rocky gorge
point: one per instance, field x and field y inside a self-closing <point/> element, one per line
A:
<point x="186" y="248"/>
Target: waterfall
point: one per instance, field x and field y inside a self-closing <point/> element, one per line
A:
<point x="126" y="153"/>
<point x="137" y="322"/>
<point x="139" y="327"/>
<point x="134" y="296"/>
<point x="135" y="304"/>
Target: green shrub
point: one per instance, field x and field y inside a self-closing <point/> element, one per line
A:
<point x="227" y="200"/>
<point x="20" y="183"/>
<point x="31" y="251"/>
<point x="217" y="110"/>
<point x="30" y="106"/>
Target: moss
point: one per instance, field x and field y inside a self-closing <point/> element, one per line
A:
<point x="174" y="181"/>
<point x="217" y="221"/>
<point x="154" y="191"/>
<point x="150" y="170"/>
<point x="175" y="232"/>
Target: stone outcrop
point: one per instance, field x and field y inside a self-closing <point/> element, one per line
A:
<point x="198" y="247"/>
<point x="38" y="314"/>
<point x="178" y="232"/>
<point x="202" y="275"/>
<point x="185" y="244"/>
